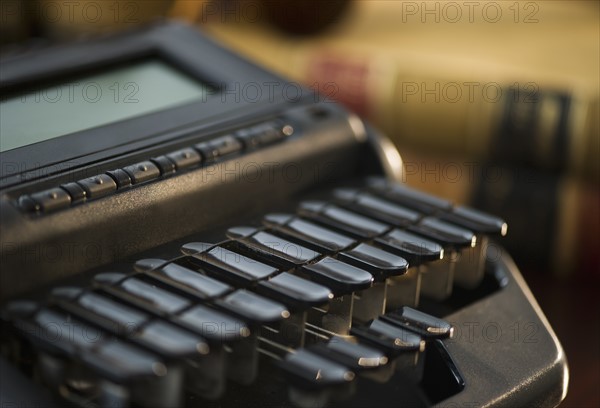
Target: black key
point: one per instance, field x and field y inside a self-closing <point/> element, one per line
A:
<point x="142" y="172"/>
<point x="391" y="339"/>
<point x="338" y="276"/>
<point x="27" y="204"/>
<point x="52" y="199"/>
<point x="261" y="135"/>
<point x="368" y="204"/>
<point x="310" y="234"/>
<point x="474" y="220"/>
<point x="185" y="158"/>
<point x="408" y="197"/>
<point x="171" y="340"/>
<point x="213" y="325"/>
<point x="430" y="327"/>
<point x="164" y="164"/>
<point x="220" y="147"/>
<point x="121" y="177"/>
<point x="294" y="292"/>
<point x="98" y="186"/>
<point x="77" y="193"/>
<point x="306" y="369"/>
<point x="160" y="336"/>
<point x="381" y="264"/>
<point x="190" y="281"/>
<point x="122" y="362"/>
<point x="357" y="357"/>
<point x="58" y="330"/>
<point x="448" y="235"/>
<point x="253" y="308"/>
<point x="222" y="263"/>
<point x="144" y="294"/>
<point x="148" y="264"/>
<point x="109" y="278"/>
<point x="107" y="312"/>
<point x="342" y="219"/>
<point x="413" y="248"/>
<point x="271" y="247"/>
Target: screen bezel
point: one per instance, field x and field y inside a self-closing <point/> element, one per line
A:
<point x="180" y="46"/>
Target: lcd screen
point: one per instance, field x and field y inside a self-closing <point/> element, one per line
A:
<point x="95" y="100"/>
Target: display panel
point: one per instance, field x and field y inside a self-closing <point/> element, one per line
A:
<point x="90" y="101"/>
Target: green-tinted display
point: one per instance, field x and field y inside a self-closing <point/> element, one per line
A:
<point x="95" y="100"/>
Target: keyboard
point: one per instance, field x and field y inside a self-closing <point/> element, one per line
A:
<point x="366" y="293"/>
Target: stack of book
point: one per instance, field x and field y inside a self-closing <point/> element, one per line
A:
<point x="494" y="104"/>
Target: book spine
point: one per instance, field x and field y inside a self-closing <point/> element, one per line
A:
<point x="523" y="123"/>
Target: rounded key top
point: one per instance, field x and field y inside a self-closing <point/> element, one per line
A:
<point x="448" y="235"/>
<point x="475" y="220"/>
<point x="338" y="276"/>
<point x="341" y="219"/>
<point x="381" y="264"/>
<point x="213" y="325"/>
<point x="253" y="308"/>
<point x="358" y="357"/>
<point x="190" y="281"/>
<point x="306" y="369"/>
<point x="308" y="233"/>
<point x="414" y="248"/>
<point x="430" y="327"/>
<point x="294" y="292"/>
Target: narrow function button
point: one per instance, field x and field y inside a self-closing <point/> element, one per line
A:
<point x="430" y="327"/>
<point x="219" y="147"/>
<point x="185" y="158"/>
<point x="408" y="197"/>
<point x="223" y="263"/>
<point x="143" y="171"/>
<point x="306" y="369"/>
<point x="319" y="238"/>
<point x="271" y="247"/>
<point x="413" y="248"/>
<point x="213" y="325"/>
<point x="294" y="292"/>
<point x="98" y="186"/>
<point x="121" y="177"/>
<point x="448" y="235"/>
<point x="358" y="357"/>
<point x="342" y="219"/>
<point x="164" y="164"/>
<point x="52" y="199"/>
<point x="381" y="264"/>
<point x="77" y="193"/>
<point x="477" y="221"/>
<point x="190" y="281"/>
<point x="376" y="207"/>
<point x="262" y="135"/>
<point x="338" y="276"/>
<point x="253" y="308"/>
<point x="27" y="204"/>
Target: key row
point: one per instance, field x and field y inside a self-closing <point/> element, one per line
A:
<point x="101" y="185"/>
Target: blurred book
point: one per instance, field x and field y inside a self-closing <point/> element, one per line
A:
<point x="554" y="220"/>
<point x="510" y="82"/>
